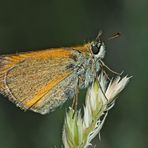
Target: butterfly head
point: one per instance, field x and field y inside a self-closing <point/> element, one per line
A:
<point x="98" y="47"/>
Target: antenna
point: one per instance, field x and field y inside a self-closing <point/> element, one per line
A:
<point x="99" y="35"/>
<point x="115" y="35"/>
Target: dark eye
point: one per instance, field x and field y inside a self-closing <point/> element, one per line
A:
<point x="96" y="48"/>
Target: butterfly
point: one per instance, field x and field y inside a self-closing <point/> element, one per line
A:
<point x="43" y="80"/>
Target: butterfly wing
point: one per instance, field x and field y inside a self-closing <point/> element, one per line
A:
<point x="39" y="81"/>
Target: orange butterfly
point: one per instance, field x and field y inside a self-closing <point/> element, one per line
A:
<point x="43" y="80"/>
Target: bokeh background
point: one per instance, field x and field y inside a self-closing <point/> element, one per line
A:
<point x="34" y="24"/>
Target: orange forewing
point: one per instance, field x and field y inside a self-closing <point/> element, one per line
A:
<point x="14" y="77"/>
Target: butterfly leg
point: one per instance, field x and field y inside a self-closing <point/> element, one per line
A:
<point x="75" y="99"/>
<point x="104" y="65"/>
<point x="104" y="72"/>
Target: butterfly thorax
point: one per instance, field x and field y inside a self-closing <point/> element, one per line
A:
<point x="88" y="64"/>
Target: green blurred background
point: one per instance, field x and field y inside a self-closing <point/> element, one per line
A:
<point x="36" y="24"/>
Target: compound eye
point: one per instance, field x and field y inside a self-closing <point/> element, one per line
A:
<point x="96" y="48"/>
